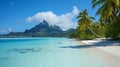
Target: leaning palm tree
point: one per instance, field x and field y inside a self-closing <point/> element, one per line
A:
<point x="85" y="21"/>
<point x="108" y="9"/>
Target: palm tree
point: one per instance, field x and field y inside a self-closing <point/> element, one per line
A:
<point x="85" y="21"/>
<point x="109" y="9"/>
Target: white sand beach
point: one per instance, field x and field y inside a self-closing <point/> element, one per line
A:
<point x="111" y="47"/>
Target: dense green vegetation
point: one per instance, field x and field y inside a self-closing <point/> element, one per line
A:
<point x="107" y="26"/>
<point x="113" y="30"/>
<point x="94" y="31"/>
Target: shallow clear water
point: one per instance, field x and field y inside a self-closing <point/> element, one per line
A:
<point x="50" y="52"/>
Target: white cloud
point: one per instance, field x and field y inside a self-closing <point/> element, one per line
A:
<point x="5" y="31"/>
<point x="9" y="29"/>
<point x="65" y="21"/>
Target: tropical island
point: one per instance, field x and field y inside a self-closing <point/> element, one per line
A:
<point x="74" y="39"/>
<point x="107" y="26"/>
<point x="43" y="29"/>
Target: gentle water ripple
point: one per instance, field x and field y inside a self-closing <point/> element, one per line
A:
<point x="51" y="52"/>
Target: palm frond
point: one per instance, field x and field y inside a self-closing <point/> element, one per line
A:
<point x="97" y="3"/>
<point x="92" y="18"/>
<point x="100" y="10"/>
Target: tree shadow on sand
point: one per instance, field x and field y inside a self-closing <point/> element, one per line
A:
<point x="96" y="44"/>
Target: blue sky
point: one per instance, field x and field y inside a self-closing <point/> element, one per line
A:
<point x="18" y="15"/>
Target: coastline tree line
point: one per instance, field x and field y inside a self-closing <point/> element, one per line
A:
<point x="107" y="26"/>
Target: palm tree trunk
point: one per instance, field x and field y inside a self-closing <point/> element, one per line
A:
<point x="94" y="32"/>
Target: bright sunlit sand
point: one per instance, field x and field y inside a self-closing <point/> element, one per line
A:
<point x="112" y="47"/>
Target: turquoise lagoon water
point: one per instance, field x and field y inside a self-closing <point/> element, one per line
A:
<point x="50" y="52"/>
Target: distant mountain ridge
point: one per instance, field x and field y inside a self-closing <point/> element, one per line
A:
<point x="43" y="29"/>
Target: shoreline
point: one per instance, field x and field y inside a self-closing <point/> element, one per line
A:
<point x="111" y="47"/>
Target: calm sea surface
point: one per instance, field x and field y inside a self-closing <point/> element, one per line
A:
<point x="51" y="52"/>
